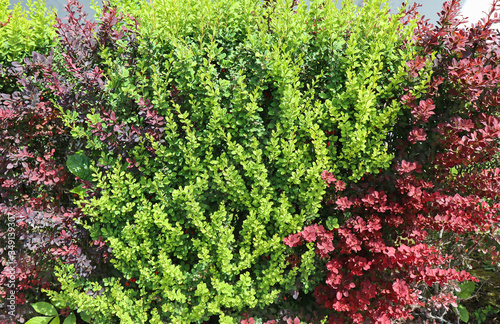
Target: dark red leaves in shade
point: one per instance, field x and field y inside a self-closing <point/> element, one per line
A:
<point x="330" y="179"/>
<point x="34" y="181"/>
<point x="267" y="94"/>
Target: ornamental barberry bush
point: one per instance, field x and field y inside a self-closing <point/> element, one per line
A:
<point x="212" y="124"/>
<point x="398" y="241"/>
<point x="39" y="222"/>
<point x="23" y="31"/>
<point x="27" y="168"/>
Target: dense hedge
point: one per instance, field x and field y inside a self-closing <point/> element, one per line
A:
<point x="196" y="144"/>
<point x="37" y="213"/>
<point x="409" y="236"/>
<point x="212" y="144"/>
<point x="23" y="31"/>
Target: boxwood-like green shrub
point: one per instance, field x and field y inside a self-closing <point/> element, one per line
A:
<point x="222" y="116"/>
<point x="23" y="31"/>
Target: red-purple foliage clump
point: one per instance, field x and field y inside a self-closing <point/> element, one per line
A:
<point x="405" y="230"/>
<point x="39" y="222"/>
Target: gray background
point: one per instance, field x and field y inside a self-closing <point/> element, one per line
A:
<point x="472" y="8"/>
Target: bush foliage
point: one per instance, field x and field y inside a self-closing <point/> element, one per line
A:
<point x="404" y="246"/>
<point x="35" y="192"/>
<point x="23" y="31"/>
<point x="212" y="143"/>
<point x="230" y="161"/>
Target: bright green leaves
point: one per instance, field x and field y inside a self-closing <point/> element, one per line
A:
<point x="253" y="111"/>
<point x="332" y="223"/>
<point x="28" y="30"/>
<point x="45" y="308"/>
<point x="51" y="315"/>
<point x="43" y="320"/>
<point x="369" y="87"/>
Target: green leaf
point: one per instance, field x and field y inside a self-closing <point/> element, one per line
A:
<point x="71" y="319"/>
<point x="125" y="73"/>
<point x="466" y="289"/>
<point x="56" y="320"/>
<point x="79" y="190"/>
<point x="59" y="304"/>
<point x="332" y="223"/>
<point x="85" y="316"/>
<point x="79" y="165"/>
<point x="464" y="313"/>
<point x="44" y="308"/>
<point x="39" y="320"/>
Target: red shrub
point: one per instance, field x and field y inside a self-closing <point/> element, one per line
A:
<point x="442" y="188"/>
<point x="39" y="224"/>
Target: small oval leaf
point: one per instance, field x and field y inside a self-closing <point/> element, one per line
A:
<point x="464" y="313"/>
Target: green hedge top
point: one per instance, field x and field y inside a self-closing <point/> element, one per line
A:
<point x="24" y="31"/>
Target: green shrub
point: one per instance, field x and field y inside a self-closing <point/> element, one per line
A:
<point x="222" y="116"/>
<point x="22" y="32"/>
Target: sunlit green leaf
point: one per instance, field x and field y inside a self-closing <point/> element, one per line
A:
<point x="79" y="165"/>
<point x="39" y="320"/>
<point x="44" y="308"/>
<point x="466" y="289"/>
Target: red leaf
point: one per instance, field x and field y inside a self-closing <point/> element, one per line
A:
<point x="417" y="135"/>
<point x="424" y="110"/>
<point x="293" y="240"/>
<point x="400" y="288"/>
